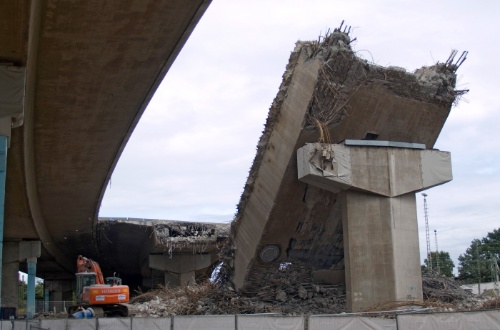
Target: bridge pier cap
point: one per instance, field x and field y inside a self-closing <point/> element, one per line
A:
<point x="376" y="182"/>
<point x="383" y="168"/>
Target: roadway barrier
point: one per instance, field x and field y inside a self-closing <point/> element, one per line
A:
<point x="430" y="321"/>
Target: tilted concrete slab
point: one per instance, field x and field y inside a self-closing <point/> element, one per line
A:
<point x="328" y="95"/>
<point x="92" y="67"/>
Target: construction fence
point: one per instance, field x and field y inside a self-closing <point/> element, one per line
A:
<point x="442" y="321"/>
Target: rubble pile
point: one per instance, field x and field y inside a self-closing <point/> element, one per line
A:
<point x="287" y="290"/>
<point x="443" y="289"/>
<point x="493" y="303"/>
<point x="210" y="299"/>
<point x="445" y="293"/>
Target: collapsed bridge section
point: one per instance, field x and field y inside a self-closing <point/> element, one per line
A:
<point x="328" y="95"/>
<point x="148" y="253"/>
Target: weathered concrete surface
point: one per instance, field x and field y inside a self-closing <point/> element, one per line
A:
<point x="384" y="171"/>
<point x="382" y="254"/>
<point x="92" y="67"/>
<point x="128" y="245"/>
<point x="325" y="85"/>
<point x="376" y="186"/>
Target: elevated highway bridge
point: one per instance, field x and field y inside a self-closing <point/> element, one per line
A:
<point x="90" y="69"/>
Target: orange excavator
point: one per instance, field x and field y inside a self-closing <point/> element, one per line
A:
<point x="104" y="297"/>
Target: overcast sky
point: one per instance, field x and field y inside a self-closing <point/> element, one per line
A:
<point x="190" y="154"/>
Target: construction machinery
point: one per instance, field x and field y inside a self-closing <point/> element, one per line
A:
<point x="105" y="296"/>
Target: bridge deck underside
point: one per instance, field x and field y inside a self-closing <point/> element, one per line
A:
<point x="92" y="68"/>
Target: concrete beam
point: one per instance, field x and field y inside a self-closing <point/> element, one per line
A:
<point x="10" y="274"/>
<point x="182" y="263"/>
<point x="29" y="249"/>
<point x="383" y="171"/>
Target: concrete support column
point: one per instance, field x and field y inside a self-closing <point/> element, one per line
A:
<point x="30" y="251"/>
<point x="46" y="299"/>
<point x="376" y="182"/>
<point x="10" y="275"/>
<point x="179" y="268"/>
<point x="382" y="257"/>
<point x="180" y="279"/>
<point x="60" y="292"/>
<point x="30" y="301"/>
<point x="3" y="178"/>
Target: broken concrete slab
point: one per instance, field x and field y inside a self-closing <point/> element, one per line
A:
<point x="131" y="243"/>
<point x="327" y="95"/>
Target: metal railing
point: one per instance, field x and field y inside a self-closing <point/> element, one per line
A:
<point x="50" y="307"/>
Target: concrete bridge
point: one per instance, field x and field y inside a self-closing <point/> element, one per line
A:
<point x="346" y="145"/>
<point x="147" y="252"/>
<point x="87" y="72"/>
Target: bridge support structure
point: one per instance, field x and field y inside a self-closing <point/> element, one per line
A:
<point x="15" y="252"/>
<point x="59" y="295"/>
<point x="376" y="182"/>
<point x="179" y="269"/>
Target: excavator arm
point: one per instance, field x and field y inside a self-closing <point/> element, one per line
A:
<point x="85" y="265"/>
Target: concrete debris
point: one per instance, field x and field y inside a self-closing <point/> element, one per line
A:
<point x="446" y="291"/>
<point x="303" y="294"/>
<point x="441" y="295"/>
<point x="209" y="299"/>
<point x="281" y="295"/>
<point x="199" y="237"/>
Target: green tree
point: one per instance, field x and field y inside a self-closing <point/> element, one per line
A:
<point x="443" y="260"/>
<point x="481" y="259"/>
<point x="39" y="290"/>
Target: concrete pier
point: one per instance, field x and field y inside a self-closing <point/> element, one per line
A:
<point x="180" y="268"/>
<point x="376" y="186"/>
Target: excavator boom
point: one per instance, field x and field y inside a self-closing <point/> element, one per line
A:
<point x="85" y="265"/>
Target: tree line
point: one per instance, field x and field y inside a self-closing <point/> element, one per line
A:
<point x="480" y="262"/>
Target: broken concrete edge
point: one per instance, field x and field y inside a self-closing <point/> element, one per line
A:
<point x="189" y="227"/>
<point x="173" y="234"/>
<point x="433" y="84"/>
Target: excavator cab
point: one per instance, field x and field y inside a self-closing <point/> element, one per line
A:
<point x="83" y="280"/>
